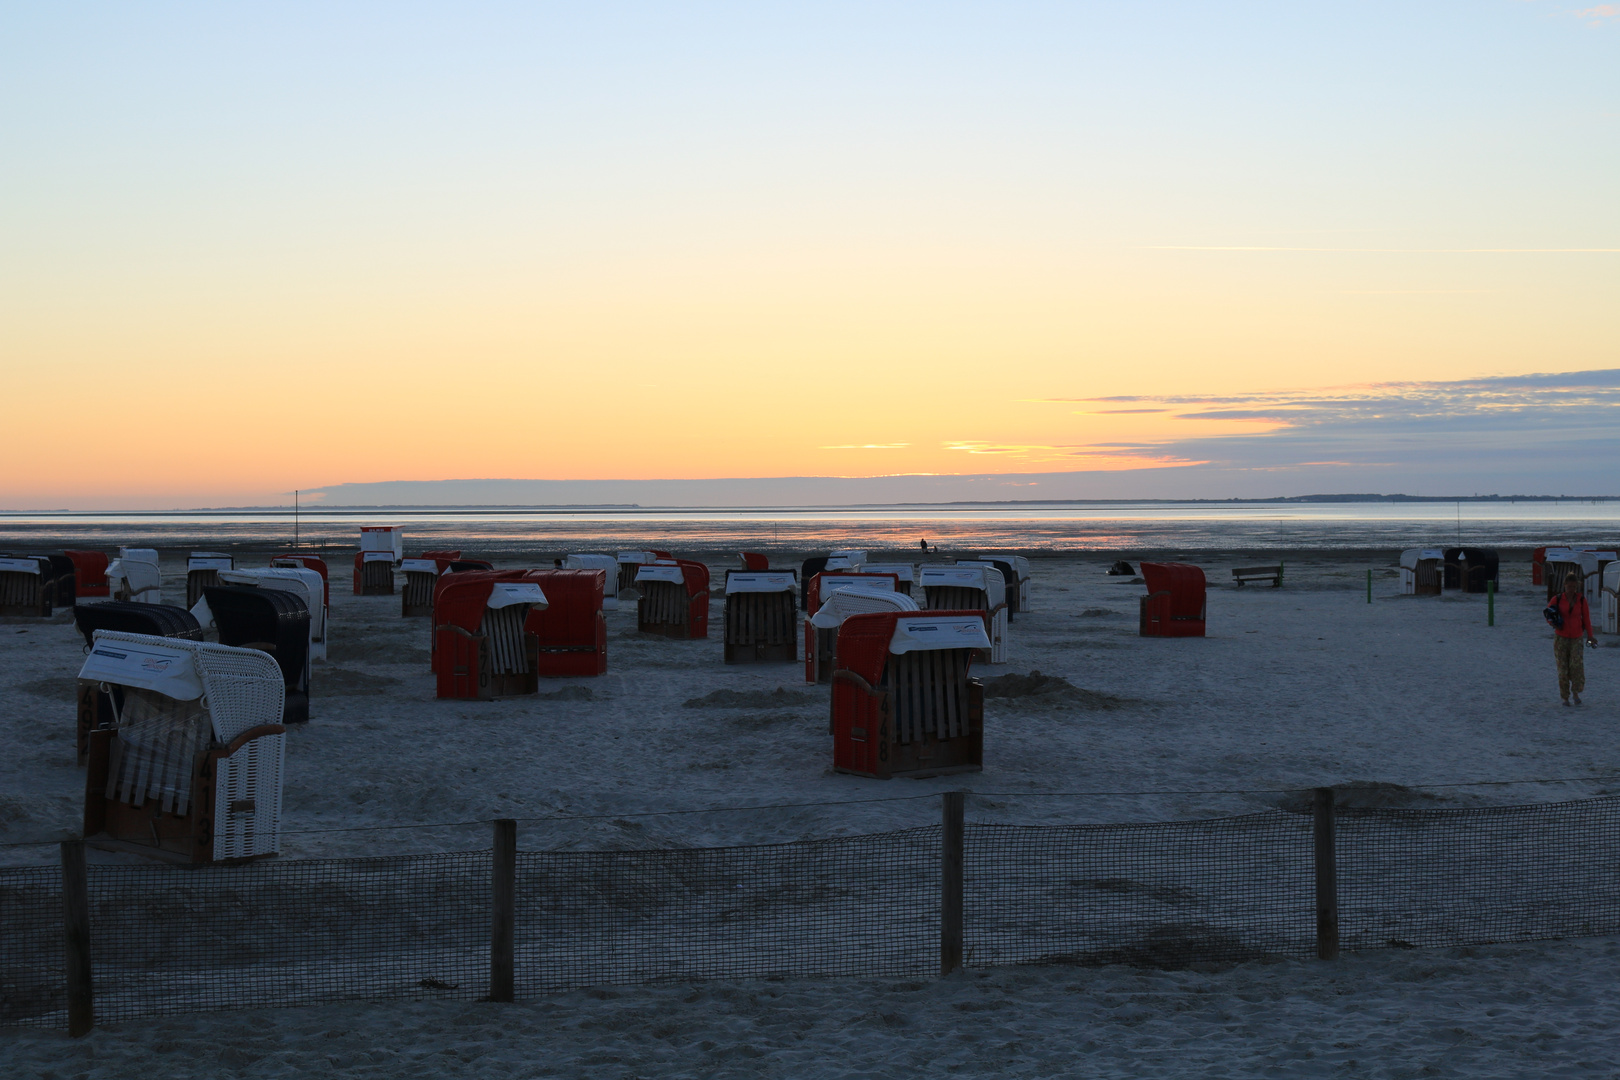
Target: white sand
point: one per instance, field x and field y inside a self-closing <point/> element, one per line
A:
<point x="1295" y="687"/>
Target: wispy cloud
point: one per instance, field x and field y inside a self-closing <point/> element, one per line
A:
<point x="868" y="446"/>
<point x="1501" y="424"/>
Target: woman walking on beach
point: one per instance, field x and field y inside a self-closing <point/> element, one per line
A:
<point x="1571" y="620"/>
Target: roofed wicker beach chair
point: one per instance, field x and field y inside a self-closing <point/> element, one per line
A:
<point x="761" y="617"/>
<point x="674" y="598"/>
<point x="98" y="704"/>
<point x="821" y="629"/>
<point x="483" y="647"/>
<point x="191" y="769"/>
<point x="970" y="587"/>
<point x="903" y="703"/>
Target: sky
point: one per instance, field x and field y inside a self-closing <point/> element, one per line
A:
<point x="1179" y="249"/>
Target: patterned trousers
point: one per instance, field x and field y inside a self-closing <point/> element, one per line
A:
<point x="1570" y="652"/>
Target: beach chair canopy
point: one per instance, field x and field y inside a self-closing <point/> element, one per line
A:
<point x="209" y="560"/>
<point x="745" y="581"/>
<point x="866" y="641"/>
<point x="135" y="573"/>
<point x="1412" y="556"/>
<point x="902" y="571"/>
<point x="303" y="583"/>
<point x="461" y="599"/>
<point x="840" y="604"/>
<point x="388" y="538"/>
<point x="828" y="582"/>
<point x="152" y="620"/>
<point x="981" y="576"/>
<point x="89" y="573"/>
<point x="570" y="605"/>
<point x="753" y="560"/>
<point x="608" y="564"/>
<point x="694" y="575"/>
<point x="244" y="687"/>
<point x="1183" y="581"/>
<point x="310" y="562"/>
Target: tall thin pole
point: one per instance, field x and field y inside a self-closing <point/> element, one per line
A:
<point x="1327" y="875"/>
<point x="950" y="881"/>
<point x="295" y="519"/>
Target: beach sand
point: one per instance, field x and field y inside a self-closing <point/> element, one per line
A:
<point x="1295" y="687"/>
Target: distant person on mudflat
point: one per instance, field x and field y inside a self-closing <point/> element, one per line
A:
<point x="1571" y="619"/>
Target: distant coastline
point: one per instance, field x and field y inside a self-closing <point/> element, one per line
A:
<point x="956" y="505"/>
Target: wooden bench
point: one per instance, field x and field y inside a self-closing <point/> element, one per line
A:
<point x="1273" y="574"/>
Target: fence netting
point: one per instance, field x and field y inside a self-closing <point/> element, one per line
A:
<point x="1160" y="895"/>
<point x="33" y="980"/>
<point x="1478" y="876"/>
<point x="168" y="939"/>
<point x="178" y="939"/>
<point x="848" y="906"/>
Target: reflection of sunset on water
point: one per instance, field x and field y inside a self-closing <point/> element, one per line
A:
<point x="1118" y="526"/>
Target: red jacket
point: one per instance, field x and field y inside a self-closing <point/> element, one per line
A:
<point x="1577" y="616"/>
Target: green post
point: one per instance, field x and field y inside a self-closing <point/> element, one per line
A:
<point x="1369" y="584"/>
<point x="1490" y="602"/>
<point x="1279" y="573"/>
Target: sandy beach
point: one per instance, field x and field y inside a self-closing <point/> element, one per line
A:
<point x="1295" y="687"/>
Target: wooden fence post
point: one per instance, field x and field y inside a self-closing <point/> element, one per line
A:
<point x="76" y="919"/>
<point x="1327" y="876"/>
<point x="950" y="881"/>
<point x="503" y="911"/>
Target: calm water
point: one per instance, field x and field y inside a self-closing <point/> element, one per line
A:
<point x="1090" y="527"/>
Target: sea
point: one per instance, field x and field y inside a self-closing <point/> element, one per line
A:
<point x="1026" y="528"/>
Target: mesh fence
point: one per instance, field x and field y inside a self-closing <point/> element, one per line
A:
<point x="1161" y="895"/>
<point x="851" y="906"/>
<point x="1477" y="876"/>
<point x="33" y="981"/>
<point x="175" y="940"/>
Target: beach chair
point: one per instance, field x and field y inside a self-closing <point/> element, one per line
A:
<point x="761" y="617"/>
<point x="1421" y="571"/>
<point x="904" y="573"/>
<point x="99" y="702"/>
<point x="461" y="565"/>
<point x="903" y="703"/>
<point x="300" y="581"/>
<point x="202" y="570"/>
<point x="421" y="575"/>
<point x="753" y="560"/>
<point x="1470" y="570"/>
<point x="191" y="771"/>
<point x="1175" y="602"/>
<point x="309" y="562"/>
<point x="1561" y="562"/>
<point x="373" y="573"/>
<point x="389" y="538"/>
<point x="482" y="647"/>
<point x="827" y="582"/>
<point x="1015" y="568"/>
<point x="571" y="630"/>
<point x="821" y="629"/>
<point x="1537" y="558"/>
<point x="134" y="576"/>
<point x="274" y="621"/>
<point x="630" y="564"/>
<point x="89" y="575"/>
<point x="1009" y="580"/>
<point x="609" y="565"/>
<point x="970" y="587"/>
<point x="807" y="573"/>
<point x="27" y="585"/>
<point x="674" y="599"/>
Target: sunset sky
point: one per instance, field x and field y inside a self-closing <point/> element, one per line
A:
<point x="1235" y="249"/>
